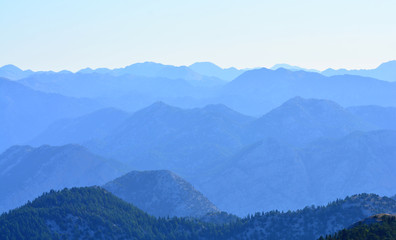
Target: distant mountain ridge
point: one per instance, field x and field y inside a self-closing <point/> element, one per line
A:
<point x="252" y="92"/>
<point x="292" y="68"/>
<point x="196" y="71"/>
<point x="210" y="69"/>
<point x="258" y="91"/>
<point x="386" y="71"/>
<point x="14" y="73"/>
<point x="161" y="193"/>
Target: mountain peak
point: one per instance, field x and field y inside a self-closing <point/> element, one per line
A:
<point x="10" y="67"/>
<point x="300" y="120"/>
<point x="161" y="193"/>
<point x="388" y="66"/>
<point x="159" y="105"/>
<point x="13" y="72"/>
<point x="309" y="102"/>
<point x="211" y="69"/>
<point x="205" y="65"/>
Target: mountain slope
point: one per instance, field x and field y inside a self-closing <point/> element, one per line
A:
<point x="185" y="141"/>
<point x="359" y="162"/>
<point x="25" y="112"/>
<point x="81" y="129"/>
<point x="269" y="175"/>
<point x="161" y="193"/>
<point x="29" y="171"/>
<point x="299" y="121"/>
<point x="381" y="117"/>
<point x="260" y="177"/>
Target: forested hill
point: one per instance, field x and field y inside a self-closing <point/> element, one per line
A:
<point x="312" y="222"/>
<point x="94" y="213"/>
<point x="381" y="226"/>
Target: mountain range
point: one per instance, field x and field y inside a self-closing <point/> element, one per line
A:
<point x="184" y="143"/>
<point x="385" y="71"/>
<point x="293" y="149"/>
<point x="258" y="91"/>
<point x="251" y="91"/>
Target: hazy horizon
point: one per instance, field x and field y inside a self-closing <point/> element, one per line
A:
<point x="49" y="35"/>
<point x="268" y="67"/>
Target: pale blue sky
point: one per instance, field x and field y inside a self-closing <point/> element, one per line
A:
<point x="68" y="34"/>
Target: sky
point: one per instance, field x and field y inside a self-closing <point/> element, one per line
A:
<point x="70" y="34"/>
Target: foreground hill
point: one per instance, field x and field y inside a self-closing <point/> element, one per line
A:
<point x="27" y="172"/>
<point x="93" y="213"/>
<point x="312" y="222"/>
<point x="380" y="226"/>
<point x="83" y="213"/>
<point x="24" y="113"/>
<point x="161" y="193"/>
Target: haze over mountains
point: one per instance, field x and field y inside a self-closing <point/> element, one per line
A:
<point x="252" y="92"/>
<point x="294" y="149"/>
<point x="199" y="139"/>
<point x="385" y="71"/>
